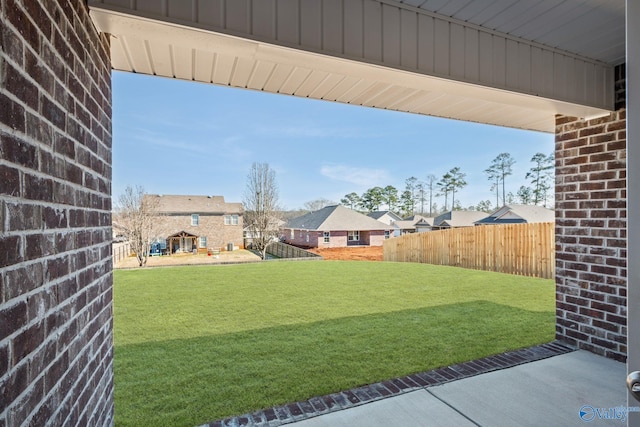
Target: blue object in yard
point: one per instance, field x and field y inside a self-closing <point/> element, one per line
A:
<point x="157" y="248"/>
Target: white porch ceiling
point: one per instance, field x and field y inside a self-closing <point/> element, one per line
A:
<point x="590" y="28"/>
<point x="460" y="59"/>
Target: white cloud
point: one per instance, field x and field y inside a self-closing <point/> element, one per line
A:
<point x="362" y="177"/>
<point x="227" y="147"/>
<point x="313" y="130"/>
<point x="295" y="131"/>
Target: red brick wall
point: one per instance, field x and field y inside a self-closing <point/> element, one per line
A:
<point x="591" y="232"/>
<point x="300" y="238"/>
<point x="55" y="225"/>
<point x="337" y="239"/>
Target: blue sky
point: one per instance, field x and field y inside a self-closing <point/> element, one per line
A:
<point x="177" y="137"/>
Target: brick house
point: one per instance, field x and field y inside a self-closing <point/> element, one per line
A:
<point x="335" y="227"/>
<point x="198" y="222"/>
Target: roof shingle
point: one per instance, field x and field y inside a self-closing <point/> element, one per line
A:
<point x="336" y="218"/>
<point x="179" y="204"/>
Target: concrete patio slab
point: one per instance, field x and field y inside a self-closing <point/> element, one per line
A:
<point x="416" y="408"/>
<point x="573" y="389"/>
<point x="549" y="392"/>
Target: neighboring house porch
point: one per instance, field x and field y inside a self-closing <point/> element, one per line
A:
<point x="181" y="242"/>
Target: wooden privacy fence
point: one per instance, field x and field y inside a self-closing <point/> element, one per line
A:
<point x="523" y="249"/>
<point x="282" y="250"/>
<point x="120" y="251"/>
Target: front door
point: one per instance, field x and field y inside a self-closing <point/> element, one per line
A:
<point x="186" y="244"/>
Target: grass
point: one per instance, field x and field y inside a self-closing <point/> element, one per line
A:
<point x="195" y="344"/>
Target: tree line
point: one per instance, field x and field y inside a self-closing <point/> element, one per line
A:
<point x="420" y="196"/>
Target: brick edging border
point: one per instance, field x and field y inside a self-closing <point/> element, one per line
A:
<point x="334" y="402"/>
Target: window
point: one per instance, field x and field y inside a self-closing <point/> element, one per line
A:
<point x="292" y="234"/>
<point x="353" y="236"/>
<point x="325" y="236"/>
<point x="307" y="237"/>
<point x="386" y="234"/>
<point x="203" y="242"/>
<point x="231" y="220"/>
<point x="195" y="219"/>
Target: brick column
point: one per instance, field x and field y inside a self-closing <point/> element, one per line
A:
<point x="591" y="230"/>
<point x="56" y="347"/>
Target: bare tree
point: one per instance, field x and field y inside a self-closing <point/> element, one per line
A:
<point x="421" y="195"/>
<point x="135" y="217"/>
<point x="261" y="206"/>
<point x="430" y="184"/>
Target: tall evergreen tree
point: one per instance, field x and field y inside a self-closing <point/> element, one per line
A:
<point x="410" y="197"/>
<point x="494" y="178"/>
<point x="351" y="200"/>
<point x="457" y="183"/>
<point x="390" y="195"/>
<point x="525" y="194"/>
<point x="541" y="175"/>
<point x="406" y="203"/>
<point x="500" y="168"/>
<point x="445" y="188"/>
<point x="484" y="206"/>
<point x="372" y="199"/>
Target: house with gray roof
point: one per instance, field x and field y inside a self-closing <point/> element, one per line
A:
<point x="388" y="217"/>
<point x="412" y="224"/>
<point x="333" y="227"/>
<point x="456" y="219"/>
<point x="517" y="214"/>
<point x="424" y="224"/>
<point x="187" y="223"/>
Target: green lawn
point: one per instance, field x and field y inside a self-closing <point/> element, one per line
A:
<point x="195" y="344"/>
